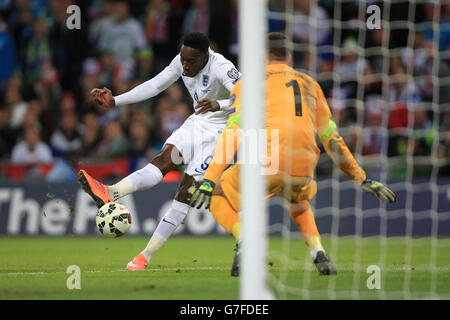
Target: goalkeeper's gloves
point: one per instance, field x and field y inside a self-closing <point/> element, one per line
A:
<point x="200" y="193"/>
<point x="379" y="190"/>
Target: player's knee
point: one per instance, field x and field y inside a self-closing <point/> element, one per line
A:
<point x="164" y="160"/>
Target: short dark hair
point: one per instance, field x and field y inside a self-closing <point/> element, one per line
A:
<point x="276" y="42"/>
<point x="197" y="40"/>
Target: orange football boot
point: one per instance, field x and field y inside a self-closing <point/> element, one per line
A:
<point x="139" y="263"/>
<point x="97" y="190"/>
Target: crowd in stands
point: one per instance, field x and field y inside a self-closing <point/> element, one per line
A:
<point x="388" y="88"/>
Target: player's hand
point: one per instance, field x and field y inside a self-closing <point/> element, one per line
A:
<point x="103" y="98"/>
<point x="200" y="193"/>
<point x="379" y="190"/>
<point x="206" y="105"/>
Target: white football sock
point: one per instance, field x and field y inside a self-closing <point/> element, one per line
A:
<point x="141" y="179"/>
<point x="168" y="224"/>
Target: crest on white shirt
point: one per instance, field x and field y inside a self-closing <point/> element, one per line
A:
<point x="205" y="80"/>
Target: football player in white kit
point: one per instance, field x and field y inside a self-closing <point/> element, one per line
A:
<point x="209" y="78"/>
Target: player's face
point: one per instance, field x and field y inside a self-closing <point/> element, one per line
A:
<point x="192" y="60"/>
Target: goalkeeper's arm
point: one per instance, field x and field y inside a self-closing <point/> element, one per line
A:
<point x="338" y="151"/>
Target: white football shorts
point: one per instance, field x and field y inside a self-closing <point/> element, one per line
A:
<point x="196" y="140"/>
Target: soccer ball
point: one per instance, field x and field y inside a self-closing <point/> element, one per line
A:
<point x="113" y="220"/>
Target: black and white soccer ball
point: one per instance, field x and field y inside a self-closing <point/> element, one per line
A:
<point x="113" y="220"/>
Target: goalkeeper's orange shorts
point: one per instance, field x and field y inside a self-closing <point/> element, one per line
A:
<point x="285" y="186"/>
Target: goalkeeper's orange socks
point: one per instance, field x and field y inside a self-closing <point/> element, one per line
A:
<point x="225" y="215"/>
<point x="303" y="217"/>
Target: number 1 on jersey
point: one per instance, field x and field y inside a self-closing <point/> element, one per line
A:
<point x="297" y="95"/>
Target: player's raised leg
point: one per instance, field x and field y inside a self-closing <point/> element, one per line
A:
<point x="144" y="178"/>
<point x="303" y="217"/>
<point x="167" y="225"/>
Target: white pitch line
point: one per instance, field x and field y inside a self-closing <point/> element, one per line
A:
<point x="343" y="267"/>
<point x="107" y="271"/>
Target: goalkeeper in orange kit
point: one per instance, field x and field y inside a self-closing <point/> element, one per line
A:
<point x="297" y="109"/>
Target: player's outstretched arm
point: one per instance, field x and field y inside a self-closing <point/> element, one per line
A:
<point x="379" y="190"/>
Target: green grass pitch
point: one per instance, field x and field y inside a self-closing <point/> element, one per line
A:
<point x="198" y="268"/>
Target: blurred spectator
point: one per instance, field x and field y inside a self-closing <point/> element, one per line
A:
<point x="114" y="143"/>
<point x="68" y="102"/>
<point x="351" y="63"/>
<point x="443" y="154"/>
<point x="91" y="78"/>
<point x="38" y="52"/>
<point x="438" y="11"/>
<point x="31" y="119"/>
<point x="377" y="39"/>
<point x="374" y="137"/>
<point x="171" y="116"/>
<point x="31" y="150"/>
<point x="64" y="169"/>
<point x="197" y="17"/>
<point x="124" y="37"/>
<point x="139" y="140"/>
<point x="350" y="67"/>
<point x="91" y="134"/>
<point x="424" y="136"/>
<point x="311" y="27"/>
<point x="14" y="99"/>
<point x="144" y="66"/>
<point x="7" y="54"/>
<point x="108" y="65"/>
<point x="424" y="132"/>
<point x="7" y="134"/>
<point x="157" y="30"/>
<point x="101" y="24"/>
<point x="175" y="93"/>
<point x="69" y="46"/>
<point x="401" y="88"/>
<point x="233" y="47"/>
<point x="403" y="97"/>
<point x="21" y="27"/>
<point x="67" y="137"/>
<point x="162" y="22"/>
<point x="91" y="74"/>
<point x="311" y="23"/>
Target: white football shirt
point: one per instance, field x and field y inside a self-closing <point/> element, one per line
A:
<point x="215" y="82"/>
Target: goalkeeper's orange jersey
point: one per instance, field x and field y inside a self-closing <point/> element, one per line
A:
<point x="297" y="108"/>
